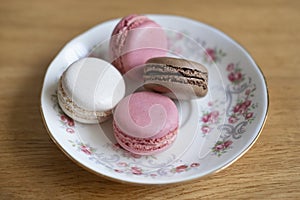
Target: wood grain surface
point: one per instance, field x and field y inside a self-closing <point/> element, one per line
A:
<point x="33" y="31"/>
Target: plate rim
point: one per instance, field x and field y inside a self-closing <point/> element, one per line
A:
<point x="182" y="180"/>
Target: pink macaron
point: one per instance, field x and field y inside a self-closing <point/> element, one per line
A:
<point x="135" y="39"/>
<point x="145" y="123"/>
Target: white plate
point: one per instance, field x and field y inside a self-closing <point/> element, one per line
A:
<point x="214" y="131"/>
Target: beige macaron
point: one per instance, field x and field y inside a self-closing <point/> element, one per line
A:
<point x="89" y="89"/>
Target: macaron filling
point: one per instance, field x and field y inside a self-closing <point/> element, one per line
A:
<point x="168" y="73"/>
<point x="176" y="78"/>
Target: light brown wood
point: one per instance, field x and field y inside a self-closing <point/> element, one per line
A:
<point x="33" y="31"/>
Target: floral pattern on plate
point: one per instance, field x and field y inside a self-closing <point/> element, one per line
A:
<point x="66" y="122"/>
<point x="240" y="110"/>
<point x="196" y="47"/>
<point x="122" y="161"/>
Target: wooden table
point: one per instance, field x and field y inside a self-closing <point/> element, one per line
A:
<point x="33" y="31"/>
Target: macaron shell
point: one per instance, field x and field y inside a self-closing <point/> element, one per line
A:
<point x="145" y="42"/>
<point x="93" y="84"/>
<point x="119" y="35"/>
<point x="134" y="40"/>
<point x="127" y="21"/>
<point x="146" y="115"/>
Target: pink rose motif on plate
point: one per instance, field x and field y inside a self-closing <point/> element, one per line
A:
<point x="242" y="110"/>
<point x="211" y="117"/>
<point x="136" y="170"/>
<point x="70" y="130"/>
<point x="249" y="115"/>
<point x="67" y="122"/>
<point x="221" y="147"/>
<point x="63" y="118"/>
<point x="209" y="120"/>
<point x="232" y="119"/>
<point x="185" y="167"/>
<point x="181" y="168"/>
<point x="230" y="67"/>
<point x="86" y="150"/>
<point x="71" y="123"/>
<point x="205" y="129"/>
<point x="213" y="55"/>
<point x="235" y="75"/>
<point x="242" y="107"/>
<point x="195" y="164"/>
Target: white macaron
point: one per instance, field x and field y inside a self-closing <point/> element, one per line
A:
<point x="89" y="89"/>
